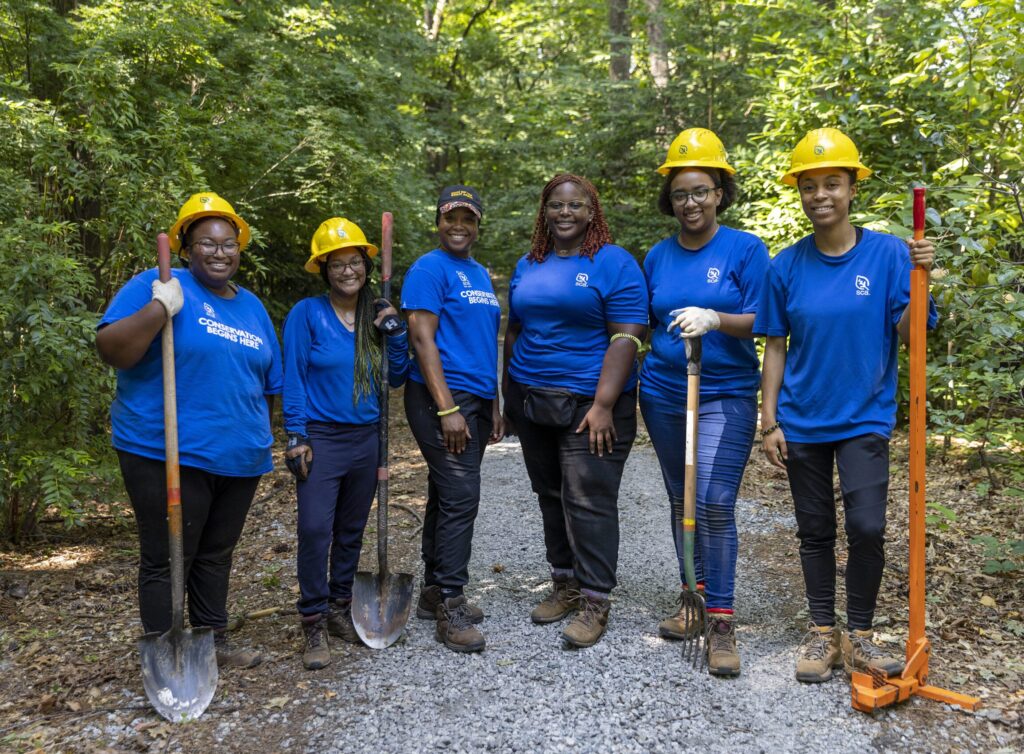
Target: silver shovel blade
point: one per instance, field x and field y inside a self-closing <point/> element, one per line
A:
<point x="179" y="672"/>
<point x="380" y="606"/>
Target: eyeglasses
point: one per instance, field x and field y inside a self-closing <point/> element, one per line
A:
<point x="209" y="248"/>
<point x="559" y="206"/>
<point x="699" y="196"/>
<point x="355" y="265"/>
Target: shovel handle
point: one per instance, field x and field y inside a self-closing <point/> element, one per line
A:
<point x="177" y="560"/>
<point x="386" y="222"/>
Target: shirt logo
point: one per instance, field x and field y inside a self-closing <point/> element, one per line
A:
<point x="863" y="286"/>
<point x="582" y="279"/>
<point x="464" y="279"/>
<point x="209" y="310"/>
<point x="713" y="274"/>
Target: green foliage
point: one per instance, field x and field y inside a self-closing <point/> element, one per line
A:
<point x="1001" y="556"/>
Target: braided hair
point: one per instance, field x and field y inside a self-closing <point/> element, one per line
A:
<point x="597" y="232"/>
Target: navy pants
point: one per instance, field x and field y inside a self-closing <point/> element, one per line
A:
<point x="725" y="435"/>
<point x="334" y="503"/>
<point x="863" y="464"/>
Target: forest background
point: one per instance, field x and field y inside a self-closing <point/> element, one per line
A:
<point x="113" y="112"/>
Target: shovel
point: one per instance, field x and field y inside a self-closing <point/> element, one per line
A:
<point x="694" y="609"/>
<point x="179" y="667"/>
<point x="381" y="601"/>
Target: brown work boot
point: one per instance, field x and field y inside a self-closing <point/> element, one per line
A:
<point x="588" y="626"/>
<point x="723" y="658"/>
<point x="233" y="657"/>
<point x="562" y="600"/>
<point x="454" y="627"/>
<point x="430" y="598"/>
<point x="861" y="654"/>
<point x="684" y="624"/>
<point x="339" y="621"/>
<point x="317" y="653"/>
<point x="819" y="654"/>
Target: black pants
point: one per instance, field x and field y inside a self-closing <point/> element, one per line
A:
<point x="863" y="464"/>
<point x="453" y="482"/>
<point x="213" y="510"/>
<point x="578" y="490"/>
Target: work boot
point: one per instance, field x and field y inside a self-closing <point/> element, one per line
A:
<point x="819" y="654"/>
<point x="454" y="627"/>
<point x="233" y="657"/>
<point x="339" y="621"/>
<point x="430" y="598"/>
<point x="861" y="654"/>
<point x="562" y="600"/>
<point x="588" y="626"/>
<point x="317" y="653"/>
<point x="682" y="625"/>
<point x="723" y="658"/>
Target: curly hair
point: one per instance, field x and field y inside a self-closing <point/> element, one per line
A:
<point x="722" y="179"/>
<point x="597" y="231"/>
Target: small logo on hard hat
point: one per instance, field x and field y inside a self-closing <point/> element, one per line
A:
<point x="714" y="274"/>
<point x="206" y="199"/>
<point x="683" y="149"/>
<point x="341" y="233"/>
<point x="863" y="286"/>
<point x="819" y="149"/>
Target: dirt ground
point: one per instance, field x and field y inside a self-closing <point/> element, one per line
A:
<point x="69" y="671"/>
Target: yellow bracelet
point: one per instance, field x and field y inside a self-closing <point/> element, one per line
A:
<point x="449" y="411"/>
<point x="633" y="338"/>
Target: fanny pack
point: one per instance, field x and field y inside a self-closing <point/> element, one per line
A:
<point x="549" y="406"/>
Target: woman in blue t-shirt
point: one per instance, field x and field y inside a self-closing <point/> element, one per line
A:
<point x="577" y="314"/>
<point x="228" y="367"/>
<point x="705" y="282"/>
<point x="332" y="373"/>
<point x="840" y="295"/>
<point x="451" y="402"/>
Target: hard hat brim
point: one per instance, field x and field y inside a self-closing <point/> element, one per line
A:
<point x="789" y="177"/>
<point x="174" y="234"/>
<point x="313" y="263"/>
<point x="667" y="166"/>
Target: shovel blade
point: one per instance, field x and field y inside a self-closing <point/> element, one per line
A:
<point x="380" y="606"/>
<point x="179" y="672"/>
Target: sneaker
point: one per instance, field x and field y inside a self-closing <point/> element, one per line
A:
<point x="723" y="657"/>
<point x="588" y="626"/>
<point x="454" y="627"/>
<point x="234" y="657"/>
<point x="819" y="654"/>
<point x="317" y="653"/>
<point x="339" y="621"/>
<point x="683" y="625"/>
<point x="860" y="653"/>
<point x="430" y="598"/>
<point x="562" y="600"/>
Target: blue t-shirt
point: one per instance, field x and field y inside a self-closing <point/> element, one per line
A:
<point x="319" y="368"/>
<point x="726" y="275"/>
<point x="226" y="360"/>
<point x="460" y="293"/>
<point x="564" y="305"/>
<point x="840" y="314"/>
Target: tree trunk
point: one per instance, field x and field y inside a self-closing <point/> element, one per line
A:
<point x="618" y="27"/>
<point x="657" y="51"/>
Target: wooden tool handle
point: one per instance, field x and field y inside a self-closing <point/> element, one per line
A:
<point x="386" y="222"/>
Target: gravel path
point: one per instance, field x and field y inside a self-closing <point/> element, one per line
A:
<point x="631" y="692"/>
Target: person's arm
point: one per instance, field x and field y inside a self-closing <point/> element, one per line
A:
<point x="122" y="344"/>
<point x="774" y="444"/>
<point x="615" y="370"/>
<point x="511" y="334"/>
<point x="921" y="253"/>
<point x="422" y="330"/>
<point x="298" y="341"/>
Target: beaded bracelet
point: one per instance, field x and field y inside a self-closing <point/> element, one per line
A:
<point x="766" y="432"/>
<point x="449" y="411"/>
<point x="633" y="338"/>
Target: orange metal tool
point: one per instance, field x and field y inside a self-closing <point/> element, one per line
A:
<point x="869" y="691"/>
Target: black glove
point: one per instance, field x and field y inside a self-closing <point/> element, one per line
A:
<point x="391" y="324"/>
<point x="298" y="462"/>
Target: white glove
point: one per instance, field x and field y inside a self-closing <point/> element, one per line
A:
<point x="169" y="294"/>
<point x="694" y="321"/>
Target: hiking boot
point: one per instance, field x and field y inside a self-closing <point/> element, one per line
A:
<point x="723" y="658"/>
<point x="683" y="625"/>
<point x="233" y="657"/>
<point x="562" y="600"/>
<point x="861" y="654"/>
<point x="317" y="653"/>
<point x="588" y="626"/>
<point x="430" y="598"/>
<point x="819" y="654"/>
<point x="339" y="621"/>
<point x="454" y="627"/>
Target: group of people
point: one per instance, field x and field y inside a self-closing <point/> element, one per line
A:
<point x="832" y="307"/>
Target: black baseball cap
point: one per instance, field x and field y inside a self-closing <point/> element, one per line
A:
<point x="459" y="196"/>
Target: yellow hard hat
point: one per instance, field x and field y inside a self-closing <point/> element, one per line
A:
<point x="696" y="148"/>
<point x="333" y="234"/>
<point x="824" y="148"/>
<point x="206" y="204"/>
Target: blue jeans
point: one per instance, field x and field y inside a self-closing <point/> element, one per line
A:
<point x="725" y="435"/>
